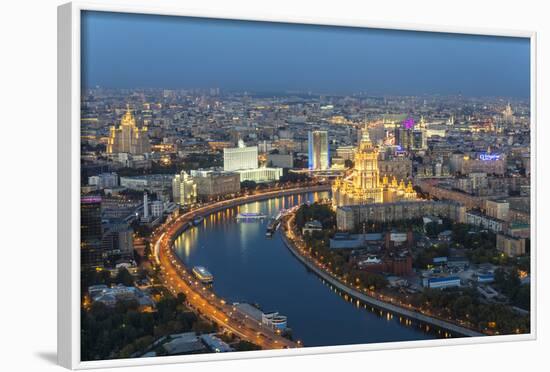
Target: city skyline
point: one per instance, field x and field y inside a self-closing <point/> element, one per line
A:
<point x="130" y="51"/>
<point x="217" y="218"/>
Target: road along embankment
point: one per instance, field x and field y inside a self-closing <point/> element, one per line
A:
<point x="392" y="308"/>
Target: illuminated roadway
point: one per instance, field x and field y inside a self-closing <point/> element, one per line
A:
<point x="298" y="249"/>
<point x="179" y="279"/>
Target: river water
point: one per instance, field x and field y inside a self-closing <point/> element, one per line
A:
<point x="248" y="267"/>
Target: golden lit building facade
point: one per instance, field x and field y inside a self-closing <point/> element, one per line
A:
<point x="184" y="189"/>
<point x="128" y="138"/>
<point x="364" y="185"/>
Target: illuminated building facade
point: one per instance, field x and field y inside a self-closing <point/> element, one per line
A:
<point x="244" y="161"/>
<point x="128" y="138"/>
<point x="318" y="150"/>
<point x="240" y="157"/>
<point x="259" y="175"/>
<point x="184" y="189"/>
<point x="364" y="185"/>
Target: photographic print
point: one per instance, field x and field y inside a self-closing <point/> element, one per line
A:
<point x="251" y="185"/>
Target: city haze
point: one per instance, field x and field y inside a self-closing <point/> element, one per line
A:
<point x="145" y="51"/>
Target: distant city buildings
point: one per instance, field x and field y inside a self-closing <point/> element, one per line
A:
<point x="471" y="151"/>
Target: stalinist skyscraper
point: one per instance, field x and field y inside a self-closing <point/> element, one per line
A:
<point x="364" y="186"/>
<point x="128" y="138"/>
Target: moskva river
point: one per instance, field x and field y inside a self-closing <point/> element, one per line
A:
<point x="248" y="267"/>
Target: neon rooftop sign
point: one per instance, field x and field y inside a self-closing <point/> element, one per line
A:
<point x="90" y="199"/>
<point x="408" y="123"/>
<point x="489" y="157"/>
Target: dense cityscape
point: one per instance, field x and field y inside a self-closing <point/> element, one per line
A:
<point x="201" y="208"/>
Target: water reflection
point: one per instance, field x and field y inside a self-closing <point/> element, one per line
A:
<point x="247" y="267"/>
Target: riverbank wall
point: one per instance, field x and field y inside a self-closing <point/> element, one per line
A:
<point x="453" y="328"/>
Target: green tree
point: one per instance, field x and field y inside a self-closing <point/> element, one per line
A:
<point x="124" y="277"/>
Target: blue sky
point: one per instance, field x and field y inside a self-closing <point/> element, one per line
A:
<point x="145" y="51"/>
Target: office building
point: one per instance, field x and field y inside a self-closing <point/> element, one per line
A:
<point x="280" y="160"/>
<point x="157" y="208"/>
<point x="240" y="157"/>
<point x="318" y="150"/>
<point x="103" y="180"/>
<point x="442" y="282"/>
<point x="118" y="242"/>
<point x="244" y="161"/>
<point x="91" y="232"/>
<point x="184" y="189"/>
<point x="260" y="175"/>
<point x="213" y="183"/>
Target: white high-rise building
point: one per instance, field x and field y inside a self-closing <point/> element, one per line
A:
<point x="145" y="206"/>
<point x="241" y="157"/>
<point x="184" y="189"/>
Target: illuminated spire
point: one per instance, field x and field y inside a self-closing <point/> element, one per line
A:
<point x="365" y="139"/>
<point x="128" y="117"/>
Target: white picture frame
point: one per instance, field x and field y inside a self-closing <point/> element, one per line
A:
<point x="69" y="183"/>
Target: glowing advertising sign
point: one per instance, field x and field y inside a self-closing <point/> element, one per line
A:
<point x="90" y="199"/>
<point x="408" y="123"/>
<point x="489" y="157"/>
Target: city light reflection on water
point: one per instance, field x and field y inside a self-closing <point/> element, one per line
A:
<point x="248" y="267"/>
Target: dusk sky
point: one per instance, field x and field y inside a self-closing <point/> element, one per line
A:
<point x="144" y="51"/>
